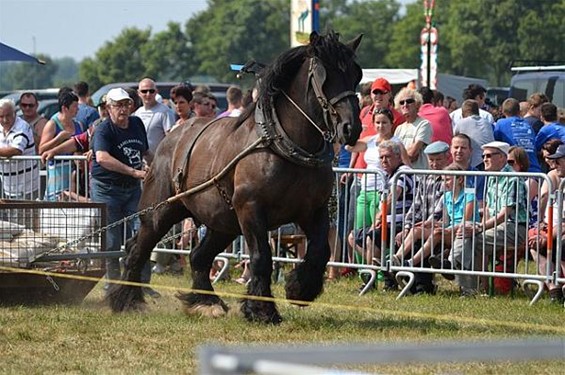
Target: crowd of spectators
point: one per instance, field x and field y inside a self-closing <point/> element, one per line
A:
<point x="448" y="222"/>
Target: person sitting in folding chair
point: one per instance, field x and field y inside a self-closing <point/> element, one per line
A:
<point x="504" y="222"/>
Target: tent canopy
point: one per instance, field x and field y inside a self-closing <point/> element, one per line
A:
<point x="393" y="76"/>
<point x="8" y="53"/>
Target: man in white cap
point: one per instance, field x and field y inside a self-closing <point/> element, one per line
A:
<point x="504" y="221"/>
<point x="119" y="145"/>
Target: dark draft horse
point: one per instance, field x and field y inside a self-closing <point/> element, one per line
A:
<point x="249" y="175"/>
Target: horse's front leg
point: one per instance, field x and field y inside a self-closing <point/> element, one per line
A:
<point x="255" y="231"/>
<point x="305" y="282"/>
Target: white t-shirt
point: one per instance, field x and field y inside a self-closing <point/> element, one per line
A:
<point x="410" y="133"/>
<point x="158" y="120"/>
<point x="19" y="177"/>
<point x="457" y="115"/>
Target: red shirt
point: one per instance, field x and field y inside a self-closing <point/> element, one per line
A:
<point x="439" y="119"/>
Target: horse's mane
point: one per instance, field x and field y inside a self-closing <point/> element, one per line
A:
<point x="327" y="48"/>
<point x="280" y="72"/>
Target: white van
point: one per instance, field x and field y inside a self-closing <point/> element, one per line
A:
<point x="549" y="80"/>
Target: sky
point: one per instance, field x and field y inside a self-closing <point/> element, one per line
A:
<point x="78" y="28"/>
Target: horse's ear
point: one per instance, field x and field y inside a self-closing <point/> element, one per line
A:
<point x="354" y="44"/>
<point x="314" y="36"/>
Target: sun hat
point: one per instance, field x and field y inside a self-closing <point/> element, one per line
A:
<point x="501" y="146"/>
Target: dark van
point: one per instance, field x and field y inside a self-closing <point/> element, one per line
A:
<point x="545" y="79"/>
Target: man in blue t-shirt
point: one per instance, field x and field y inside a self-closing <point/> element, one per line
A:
<point x="551" y="128"/>
<point x="516" y="132"/>
<point x="119" y="145"/>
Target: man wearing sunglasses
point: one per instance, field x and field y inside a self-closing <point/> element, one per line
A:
<point x="504" y="221"/>
<point x="157" y="117"/>
<point x="29" y="105"/>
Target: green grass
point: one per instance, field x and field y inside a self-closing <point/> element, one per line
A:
<point x="90" y="339"/>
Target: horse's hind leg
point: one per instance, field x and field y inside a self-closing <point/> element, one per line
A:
<point x="154" y="226"/>
<point x="305" y="282"/>
<point x="201" y="259"/>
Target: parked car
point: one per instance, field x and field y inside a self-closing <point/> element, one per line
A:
<point x="164" y="88"/>
<point x="41" y="94"/>
<point x="549" y="80"/>
<point x="45" y="108"/>
<point x="497" y="95"/>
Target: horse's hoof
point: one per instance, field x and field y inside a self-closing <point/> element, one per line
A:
<point x="205" y="305"/>
<point x="122" y="298"/>
<point x="302" y="287"/>
<point x="262" y="312"/>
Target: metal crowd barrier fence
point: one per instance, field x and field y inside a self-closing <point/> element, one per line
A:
<point x="476" y="257"/>
<point x="515" y="261"/>
<point x="64" y="178"/>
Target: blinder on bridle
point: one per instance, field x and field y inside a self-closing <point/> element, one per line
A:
<point x="317" y="78"/>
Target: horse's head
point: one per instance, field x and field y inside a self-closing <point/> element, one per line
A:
<point x="334" y="75"/>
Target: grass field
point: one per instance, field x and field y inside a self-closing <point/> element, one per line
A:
<point x="89" y="339"/>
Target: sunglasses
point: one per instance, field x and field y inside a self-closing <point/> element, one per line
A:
<point x="488" y="156"/>
<point x="407" y="101"/>
<point x="379" y="92"/>
<point x="151" y="91"/>
<point x="27" y="105"/>
<point x="511" y="162"/>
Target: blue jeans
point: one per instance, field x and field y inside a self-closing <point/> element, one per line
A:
<point x="121" y="201"/>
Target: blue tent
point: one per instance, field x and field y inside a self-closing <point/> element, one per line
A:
<point x="8" y="53"/>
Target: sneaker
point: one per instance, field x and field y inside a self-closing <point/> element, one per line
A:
<point x="467" y="293"/>
<point x="390" y="284"/>
<point x="149" y="292"/>
<point x="158" y="269"/>
<point x="176" y="268"/>
<point x="437" y="263"/>
<point x="395" y="261"/>
<point x="556" y="296"/>
<point x="348" y="272"/>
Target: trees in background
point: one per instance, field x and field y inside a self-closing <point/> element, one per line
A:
<point x="478" y="38"/>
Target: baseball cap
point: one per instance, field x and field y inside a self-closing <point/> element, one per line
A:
<point x="437" y="147"/>
<point x="117" y="94"/>
<point x="559" y="153"/>
<point x="381" y="84"/>
<point x="501" y="146"/>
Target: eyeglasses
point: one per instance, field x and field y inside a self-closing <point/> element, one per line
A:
<point x="151" y="91"/>
<point x="488" y="156"/>
<point x="124" y="105"/>
<point x="27" y="105"/>
<point x="407" y="101"/>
